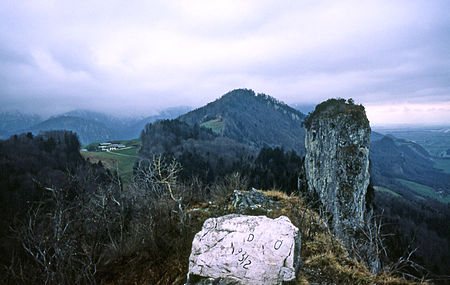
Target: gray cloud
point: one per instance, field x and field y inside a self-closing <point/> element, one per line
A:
<point x="141" y="56"/>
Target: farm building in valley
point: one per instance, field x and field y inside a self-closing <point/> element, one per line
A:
<point x="110" y="146"/>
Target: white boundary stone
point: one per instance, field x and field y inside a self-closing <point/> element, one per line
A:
<point x="247" y="249"/>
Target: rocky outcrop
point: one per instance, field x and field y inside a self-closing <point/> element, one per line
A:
<point x="239" y="249"/>
<point x="337" y="161"/>
<point x="249" y="200"/>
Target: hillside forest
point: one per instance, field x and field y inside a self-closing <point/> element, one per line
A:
<point x="71" y="218"/>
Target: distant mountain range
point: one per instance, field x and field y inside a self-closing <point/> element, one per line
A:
<point x="435" y="139"/>
<point x="304" y="108"/>
<point x="87" y="130"/>
<point x="14" y="122"/>
<point x="258" y="120"/>
<point x="408" y="169"/>
<point x="90" y="126"/>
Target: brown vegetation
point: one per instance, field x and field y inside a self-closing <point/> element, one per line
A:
<point x="90" y="229"/>
<point x="323" y="256"/>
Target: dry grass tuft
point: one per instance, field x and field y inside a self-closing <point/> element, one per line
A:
<point x="275" y="195"/>
<point x="325" y="258"/>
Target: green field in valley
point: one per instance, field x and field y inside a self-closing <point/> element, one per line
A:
<point x="386" y="190"/>
<point x="125" y="142"/>
<point x="422" y="191"/>
<point x="443" y="164"/>
<point x="121" y="160"/>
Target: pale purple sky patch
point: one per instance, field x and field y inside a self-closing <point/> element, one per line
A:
<point x="141" y="56"/>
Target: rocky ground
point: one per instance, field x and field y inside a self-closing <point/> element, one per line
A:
<point x="323" y="258"/>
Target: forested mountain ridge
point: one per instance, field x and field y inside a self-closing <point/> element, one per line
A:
<point x="103" y="127"/>
<point x="255" y="119"/>
<point x="87" y="130"/>
<point x="90" y="126"/>
<point x="201" y="152"/>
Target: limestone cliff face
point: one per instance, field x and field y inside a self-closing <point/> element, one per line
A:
<point x="337" y="161"/>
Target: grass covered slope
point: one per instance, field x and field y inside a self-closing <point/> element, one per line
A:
<point x="421" y="191"/>
<point x="443" y="164"/>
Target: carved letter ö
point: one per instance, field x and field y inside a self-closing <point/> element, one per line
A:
<point x="277" y="244"/>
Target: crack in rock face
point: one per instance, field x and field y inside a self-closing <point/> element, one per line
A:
<point x="245" y="249"/>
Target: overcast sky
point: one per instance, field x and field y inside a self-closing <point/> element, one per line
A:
<point x="141" y="56"/>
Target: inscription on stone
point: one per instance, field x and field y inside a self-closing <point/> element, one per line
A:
<point x="247" y="249"/>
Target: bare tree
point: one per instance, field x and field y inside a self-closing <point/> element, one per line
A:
<point x="367" y="242"/>
<point x="105" y="214"/>
<point x="51" y="241"/>
<point x="158" y="178"/>
<point x="66" y="236"/>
